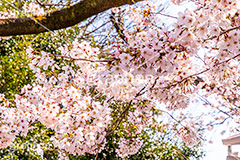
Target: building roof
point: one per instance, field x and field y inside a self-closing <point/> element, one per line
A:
<point x="232" y="140"/>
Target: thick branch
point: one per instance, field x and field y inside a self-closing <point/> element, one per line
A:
<point x="58" y="19"/>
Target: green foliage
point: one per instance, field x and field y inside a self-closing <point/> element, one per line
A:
<point x="162" y="143"/>
<point x="14" y="69"/>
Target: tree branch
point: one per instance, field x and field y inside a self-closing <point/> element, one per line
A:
<point x="223" y="32"/>
<point x="118" y="23"/>
<point x="87" y="60"/>
<point x="196" y="74"/>
<point x="58" y="19"/>
<point x="122" y="115"/>
<point x="49" y="5"/>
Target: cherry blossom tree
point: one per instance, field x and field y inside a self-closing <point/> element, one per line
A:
<point x="90" y="88"/>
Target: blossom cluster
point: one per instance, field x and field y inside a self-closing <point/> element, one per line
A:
<point x="13" y="122"/>
<point x="128" y="147"/>
<point x="58" y="102"/>
<point x="33" y="8"/>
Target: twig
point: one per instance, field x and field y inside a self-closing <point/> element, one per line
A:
<point x="122" y="115"/>
<point x="110" y="99"/>
<point x="50" y="5"/>
<point x="87" y="25"/>
<point x="181" y="154"/>
<point x="223" y="32"/>
<point x="96" y="28"/>
<point x="206" y="101"/>
<point x="172" y="118"/>
<point x="166" y="15"/>
<point x="83" y="59"/>
<point x="177" y="82"/>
